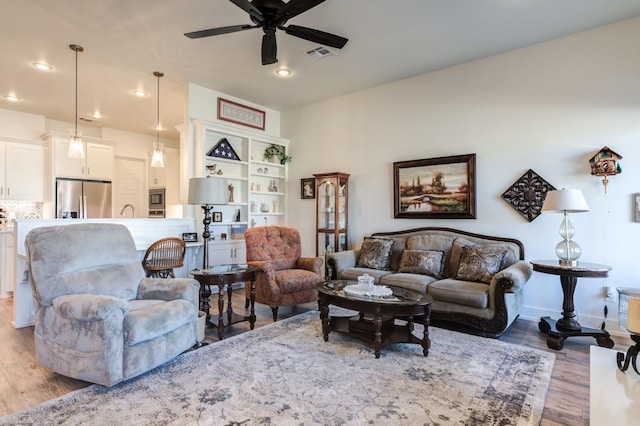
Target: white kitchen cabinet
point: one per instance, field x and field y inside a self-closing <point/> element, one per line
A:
<point x="22" y="174"/>
<point x="7" y="264"/>
<point x="98" y="163"/>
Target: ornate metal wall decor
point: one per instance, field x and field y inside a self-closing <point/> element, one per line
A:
<point x="527" y="194"/>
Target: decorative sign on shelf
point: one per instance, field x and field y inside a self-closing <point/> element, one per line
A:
<point x="223" y="149"/>
<point x="527" y="194"/>
<point x="240" y="114"/>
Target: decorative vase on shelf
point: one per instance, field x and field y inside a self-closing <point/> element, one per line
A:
<point x="275" y="206"/>
<point x="264" y="208"/>
<point x="254" y="208"/>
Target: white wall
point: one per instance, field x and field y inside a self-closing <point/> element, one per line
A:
<point x="548" y="107"/>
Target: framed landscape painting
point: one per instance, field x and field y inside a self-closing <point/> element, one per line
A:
<point x="435" y="188"/>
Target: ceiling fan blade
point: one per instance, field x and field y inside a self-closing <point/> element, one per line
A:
<point x="316" y="36"/>
<point x="295" y="8"/>
<point x="269" y="48"/>
<point x="249" y="8"/>
<point x="218" y="31"/>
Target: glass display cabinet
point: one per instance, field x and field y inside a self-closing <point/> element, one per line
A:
<point x="332" y="212"/>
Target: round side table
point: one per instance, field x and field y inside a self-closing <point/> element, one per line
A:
<point x="568" y="326"/>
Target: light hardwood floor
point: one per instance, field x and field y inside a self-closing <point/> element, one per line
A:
<point x="24" y="383"/>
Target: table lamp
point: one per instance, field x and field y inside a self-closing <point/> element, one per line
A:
<point x="207" y="192"/>
<point x="566" y="201"/>
<point x="629" y="320"/>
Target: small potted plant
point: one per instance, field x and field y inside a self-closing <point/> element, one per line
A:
<point x="276" y="151"/>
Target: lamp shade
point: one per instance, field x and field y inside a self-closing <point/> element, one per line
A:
<point x="207" y="191"/>
<point x="565" y="200"/>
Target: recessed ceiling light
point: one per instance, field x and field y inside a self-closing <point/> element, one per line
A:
<point x="12" y="98"/>
<point x="158" y="128"/>
<point x="42" y="66"/>
<point x="96" y="114"/>
<point x="283" y="72"/>
<point x="140" y="93"/>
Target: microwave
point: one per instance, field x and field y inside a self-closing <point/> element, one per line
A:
<point x="156" y="199"/>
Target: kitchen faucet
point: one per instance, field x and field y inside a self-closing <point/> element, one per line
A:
<point x="133" y="210"/>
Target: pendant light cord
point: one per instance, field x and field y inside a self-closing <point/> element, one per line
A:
<point x="76" y="115"/>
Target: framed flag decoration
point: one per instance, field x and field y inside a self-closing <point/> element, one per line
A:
<point x="223" y="149"/>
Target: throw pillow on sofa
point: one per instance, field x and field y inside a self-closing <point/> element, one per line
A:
<point x="480" y="263"/>
<point x="375" y="253"/>
<point x="423" y="262"/>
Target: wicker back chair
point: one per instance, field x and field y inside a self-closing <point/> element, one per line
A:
<point x="162" y="256"/>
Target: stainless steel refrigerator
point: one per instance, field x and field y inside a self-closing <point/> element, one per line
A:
<point x="82" y="199"/>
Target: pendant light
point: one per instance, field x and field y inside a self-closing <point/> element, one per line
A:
<point x="157" y="159"/>
<point x="76" y="148"/>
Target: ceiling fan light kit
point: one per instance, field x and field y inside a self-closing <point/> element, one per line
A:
<point x="272" y="15"/>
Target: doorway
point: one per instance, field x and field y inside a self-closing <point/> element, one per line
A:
<point x="129" y="187"/>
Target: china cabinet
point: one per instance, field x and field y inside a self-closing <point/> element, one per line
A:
<point x="22" y="171"/>
<point x="256" y="187"/>
<point x="332" y="212"/>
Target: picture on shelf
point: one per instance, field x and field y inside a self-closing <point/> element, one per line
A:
<point x="217" y="216"/>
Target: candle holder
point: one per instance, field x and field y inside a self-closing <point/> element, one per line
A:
<point x="629" y="321"/>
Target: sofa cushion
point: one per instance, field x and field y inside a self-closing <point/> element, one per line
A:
<point x="460" y="292"/>
<point x="375" y="253"/>
<point x="352" y="274"/>
<point x="430" y="242"/>
<point x="409" y="281"/>
<point x="479" y="263"/>
<point x="423" y="262"/>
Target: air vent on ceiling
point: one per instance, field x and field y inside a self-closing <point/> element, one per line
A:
<point x="320" y="52"/>
<point x="86" y="119"/>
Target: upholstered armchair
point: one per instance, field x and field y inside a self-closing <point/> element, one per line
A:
<point x="285" y="278"/>
<point x="97" y="318"/>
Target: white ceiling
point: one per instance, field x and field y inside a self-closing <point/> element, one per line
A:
<point x="125" y="41"/>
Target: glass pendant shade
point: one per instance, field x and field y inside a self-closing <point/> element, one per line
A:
<point x="157" y="158"/>
<point x="76" y="146"/>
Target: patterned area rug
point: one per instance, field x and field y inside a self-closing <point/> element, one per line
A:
<point x="285" y="374"/>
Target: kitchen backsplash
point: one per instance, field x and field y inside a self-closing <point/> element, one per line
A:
<point x="19" y="210"/>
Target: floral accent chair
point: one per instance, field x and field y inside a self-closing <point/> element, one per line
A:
<point x="285" y="278"/>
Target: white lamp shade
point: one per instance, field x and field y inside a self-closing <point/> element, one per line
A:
<point x="208" y="191"/>
<point x="565" y="200"/>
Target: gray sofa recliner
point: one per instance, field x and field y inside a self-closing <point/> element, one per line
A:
<point x="98" y="318"/>
<point x="489" y="307"/>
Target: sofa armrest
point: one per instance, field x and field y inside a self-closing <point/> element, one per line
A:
<point x="88" y="307"/>
<point x="340" y="260"/>
<point x="170" y="289"/>
<point x="513" y="277"/>
<point x="313" y="264"/>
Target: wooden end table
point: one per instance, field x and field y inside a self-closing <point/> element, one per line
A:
<point x="376" y="322"/>
<point x="568" y="326"/>
<point x="225" y="275"/>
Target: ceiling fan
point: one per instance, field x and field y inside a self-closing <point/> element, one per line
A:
<point x="271" y="15"/>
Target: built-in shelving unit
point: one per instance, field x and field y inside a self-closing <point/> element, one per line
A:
<point x="259" y="196"/>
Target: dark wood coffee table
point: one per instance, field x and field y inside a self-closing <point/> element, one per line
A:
<point x="376" y="321"/>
